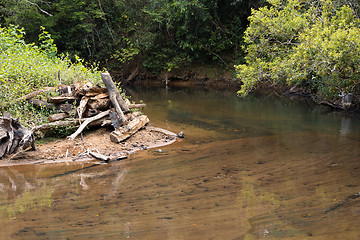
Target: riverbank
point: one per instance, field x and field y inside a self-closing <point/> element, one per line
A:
<point x="96" y="140"/>
<point x="213" y="77"/>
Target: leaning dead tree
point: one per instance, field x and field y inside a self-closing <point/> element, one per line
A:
<point x="14" y="137"/>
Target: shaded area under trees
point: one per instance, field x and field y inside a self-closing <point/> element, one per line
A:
<point x="157" y="35"/>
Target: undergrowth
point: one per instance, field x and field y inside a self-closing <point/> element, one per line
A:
<point x="26" y="67"/>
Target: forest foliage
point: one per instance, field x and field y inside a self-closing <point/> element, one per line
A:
<point x="156" y="34"/>
<point x="313" y="44"/>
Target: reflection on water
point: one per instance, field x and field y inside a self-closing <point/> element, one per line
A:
<point x="258" y="168"/>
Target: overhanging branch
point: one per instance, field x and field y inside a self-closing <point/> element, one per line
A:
<point x="39" y="8"/>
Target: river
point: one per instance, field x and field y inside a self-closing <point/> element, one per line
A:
<point x="255" y="168"/>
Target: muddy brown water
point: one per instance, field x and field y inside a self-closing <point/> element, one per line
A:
<point x="258" y="168"/>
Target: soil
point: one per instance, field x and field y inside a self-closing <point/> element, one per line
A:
<point x="63" y="150"/>
<point x="209" y="76"/>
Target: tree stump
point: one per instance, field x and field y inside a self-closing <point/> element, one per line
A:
<point x="14" y="137"/>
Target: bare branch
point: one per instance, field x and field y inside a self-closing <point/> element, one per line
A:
<point x="39" y="8"/>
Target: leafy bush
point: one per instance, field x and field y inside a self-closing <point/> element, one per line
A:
<point x="25" y="68"/>
<point x="313" y="44"/>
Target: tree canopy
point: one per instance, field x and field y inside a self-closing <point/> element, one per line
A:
<point x="157" y="34"/>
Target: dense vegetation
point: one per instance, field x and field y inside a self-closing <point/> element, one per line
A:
<point x="313" y="44"/>
<point x="156" y="34"/>
<point x="27" y="67"/>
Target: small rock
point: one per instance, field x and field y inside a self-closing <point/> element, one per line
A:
<point x="159" y="150"/>
<point x="180" y="135"/>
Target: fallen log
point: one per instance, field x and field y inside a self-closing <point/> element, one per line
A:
<point x="37" y="92"/>
<point x="119" y="157"/>
<point x="104" y="122"/>
<point x="61" y="99"/>
<point x="100" y="104"/>
<point x="82" y="106"/>
<point x="127" y="131"/>
<point x="100" y="96"/>
<point x="58" y="116"/>
<point x="91" y="113"/>
<point x="163" y="131"/>
<point x="140" y="105"/>
<point x="86" y="122"/>
<point x="81" y="90"/>
<point x="99" y="156"/>
<point x="41" y="103"/>
<point x="65" y="107"/>
<point x="115" y="97"/>
<point x="95" y="91"/>
<point x="47" y="126"/>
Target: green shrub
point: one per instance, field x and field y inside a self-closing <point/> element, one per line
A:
<point x="25" y="68"/>
<point x="313" y="44"/>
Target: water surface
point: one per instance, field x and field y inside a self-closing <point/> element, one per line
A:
<point x="259" y="168"/>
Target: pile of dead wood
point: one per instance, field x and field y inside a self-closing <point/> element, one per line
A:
<point x="87" y="105"/>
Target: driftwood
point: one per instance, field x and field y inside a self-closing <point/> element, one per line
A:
<point x="81" y="90"/>
<point x="60" y="99"/>
<point x="140" y="105"/>
<point x="93" y="106"/>
<point x="124" y="133"/>
<point x="91" y="113"/>
<point x="87" y="102"/>
<point x="37" y="92"/>
<point x="115" y="97"/>
<point x="58" y="116"/>
<point x="82" y="106"/>
<point x="14" y="137"/>
<point x="47" y="126"/>
<point x="100" y="104"/>
<point x="41" y="103"/>
<point x="95" y="91"/>
<point x="86" y="122"/>
<point x="163" y="131"/>
<point x="103" y="122"/>
<point x="100" y="96"/>
<point x="99" y="156"/>
<point x="65" y="90"/>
